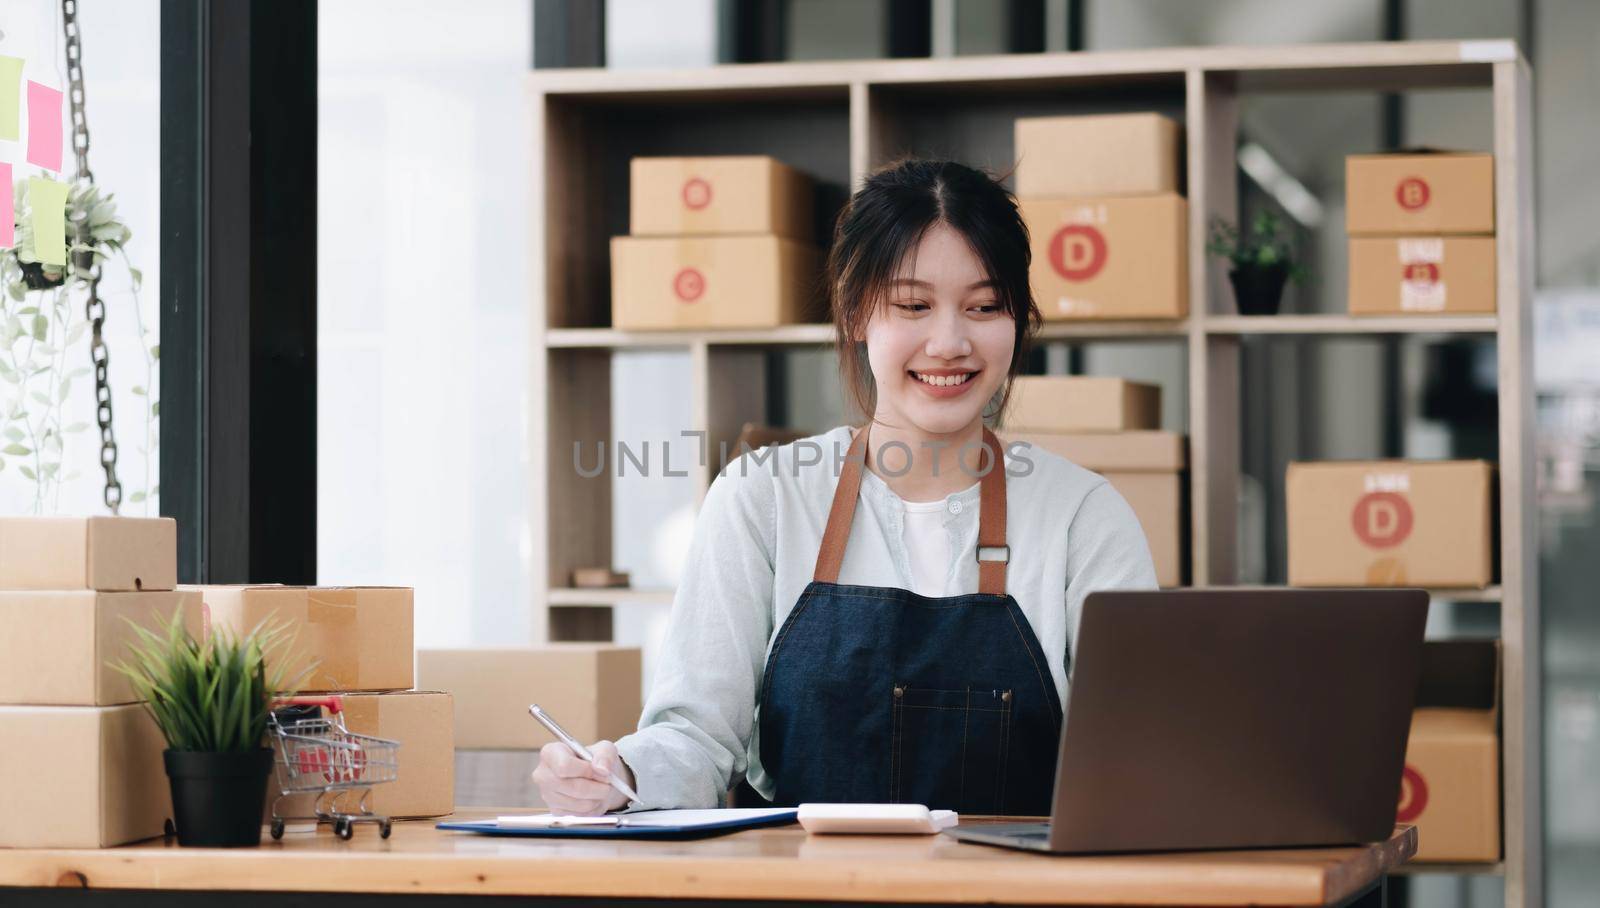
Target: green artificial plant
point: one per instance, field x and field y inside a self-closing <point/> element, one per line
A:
<point x="210" y="696"/>
<point x="1266" y="245"/>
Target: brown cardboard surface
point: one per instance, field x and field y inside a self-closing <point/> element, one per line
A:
<point x="360" y="637"/>
<point x="81" y="776"/>
<point x="718" y="195"/>
<point x="712" y="282"/>
<point x="1419" y="193"/>
<point x="1157" y="500"/>
<point x="1449" y="275"/>
<point x="1097" y="155"/>
<point x="592" y="689"/>
<point x="1063" y="403"/>
<point x="1451" y="789"/>
<point x="1109" y="258"/>
<point x="88" y="553"/>
<point x="1390" y="523"/>
<point x="56" y="644"/>
<point x="422" y="721"/>
<point x="1141" y="451"/>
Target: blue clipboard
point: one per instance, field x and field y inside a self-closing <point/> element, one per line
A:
<point x="690" y="831"/>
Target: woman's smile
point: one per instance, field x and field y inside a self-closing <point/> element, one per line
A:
<point x="943" y="384"/>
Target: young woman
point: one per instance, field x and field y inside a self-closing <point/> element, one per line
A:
<point x="884" y="613"/>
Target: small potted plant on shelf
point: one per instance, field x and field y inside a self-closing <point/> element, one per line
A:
<point x="1263" y="260"/>
<point x="211" y="698"/>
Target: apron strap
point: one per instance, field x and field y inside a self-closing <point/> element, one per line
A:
<point x="831" y="555"/>
<point x="993" y="553"/>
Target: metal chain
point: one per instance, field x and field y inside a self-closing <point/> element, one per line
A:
<point x="93" y="309"/>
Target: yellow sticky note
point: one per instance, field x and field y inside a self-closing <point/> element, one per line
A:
<point x="47" y="209"/>
<point x="10" y="97"/>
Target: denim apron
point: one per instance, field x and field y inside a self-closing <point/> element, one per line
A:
<point x="873" y="694"/>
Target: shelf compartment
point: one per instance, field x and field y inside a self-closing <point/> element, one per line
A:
<point x="590" y="139"/>
<point x="974" y="121"/>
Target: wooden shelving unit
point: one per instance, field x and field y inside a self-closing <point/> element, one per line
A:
<point x="838" y="120"/>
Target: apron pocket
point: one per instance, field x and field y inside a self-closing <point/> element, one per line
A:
<point x="948" y="747"/>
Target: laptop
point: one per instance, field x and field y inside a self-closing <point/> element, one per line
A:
<point x="1224" y="719"/>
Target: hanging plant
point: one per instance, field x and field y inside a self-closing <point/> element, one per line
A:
<point x="94" y="234"/>
<point x="38" y="325"/>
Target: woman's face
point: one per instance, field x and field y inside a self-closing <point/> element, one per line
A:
<point x="940" y="345"/>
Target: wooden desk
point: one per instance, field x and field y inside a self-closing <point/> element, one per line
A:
<point x="757" y="865"/>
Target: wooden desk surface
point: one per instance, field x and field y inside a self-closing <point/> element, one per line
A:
<point x="775" y="863"/>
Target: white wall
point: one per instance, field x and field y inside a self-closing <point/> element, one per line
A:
<point x="422" y="300"/>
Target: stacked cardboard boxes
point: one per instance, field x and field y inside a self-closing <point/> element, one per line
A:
<point x="716" y="242"/>
<point x="1421" y="230"/>
<point x="592" y="689"/>
<point x="1109" y="229"/>
<point x="356" y="643"/>
<point x="80" y="758"/>
<point x="1391" y="523"/>
<point x="1112" y="426"/>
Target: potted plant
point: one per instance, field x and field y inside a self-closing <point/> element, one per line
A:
<point x="1263" y="260"/>
<point x="211" y="698"/>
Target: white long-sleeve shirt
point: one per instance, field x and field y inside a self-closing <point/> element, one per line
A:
<point x="755" y="549"/>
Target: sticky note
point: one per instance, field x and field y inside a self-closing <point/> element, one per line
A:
<point x="47" y="207"/>
<point x="10" y="97"/>
<point x="8" y="217"/>
<point x="44" y="126"/>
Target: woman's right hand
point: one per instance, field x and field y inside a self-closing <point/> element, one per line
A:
<point x="569" y="784"/>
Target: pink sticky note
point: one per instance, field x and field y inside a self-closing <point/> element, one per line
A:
<point x="44" y="126"/>
<point x="8" y="216"/>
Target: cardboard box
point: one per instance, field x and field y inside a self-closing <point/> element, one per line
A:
<point x="1109" y="258"/>
<point x="592" y="689"/>
<point x="1408" y="275"/>
<point x="1142" y="451"/>
<point x="88" y="553"/>
<point x="1074" y="403"/>
<point x="718" y="196"/>
<point x="81" y="777"/>
<point x="1391" y="523"/>
<point x="1410" y="194"/>
<point x="425" y="773"/>
<point x="1098" y="155"/>
<point x="1157" y="500"/>
<point x="359" y="637"/>
<point x="1146" y="468"/>
<point x="1451" y="788"/>
<point x="712" y="282"/>
<point x="424" y="724"/>
<point x="56" y="645"/>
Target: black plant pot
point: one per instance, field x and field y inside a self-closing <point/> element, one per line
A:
<point x="34" y="277"/>
<point x="217" y="798"/>
<point x="1259" y="290"/>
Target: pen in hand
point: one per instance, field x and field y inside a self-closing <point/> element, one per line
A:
<point x="577" y="747"/>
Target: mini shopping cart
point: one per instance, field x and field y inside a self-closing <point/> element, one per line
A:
<point x="318" y="754"/>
